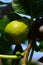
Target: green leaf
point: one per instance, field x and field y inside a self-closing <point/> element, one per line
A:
<point x="3" y="22"/>
<point x="33" y="8"/>
<point x="16" y="7"/>
<point x="41" y="46"/>
<point x="5" y="46"/>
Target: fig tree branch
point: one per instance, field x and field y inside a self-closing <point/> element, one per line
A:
<point x="24" y="60"/>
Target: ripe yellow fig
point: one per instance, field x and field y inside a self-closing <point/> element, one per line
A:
<point x="16" y="32"/>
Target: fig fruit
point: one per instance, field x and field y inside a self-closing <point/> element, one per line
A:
<point x="16" y="31"/>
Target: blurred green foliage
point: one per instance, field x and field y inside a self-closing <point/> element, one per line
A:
<point x="34" y="8"/>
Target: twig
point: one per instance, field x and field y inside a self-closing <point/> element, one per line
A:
<point x="24" y="60"/>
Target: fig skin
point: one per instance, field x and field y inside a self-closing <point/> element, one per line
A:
<point x="16" y="32"/>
